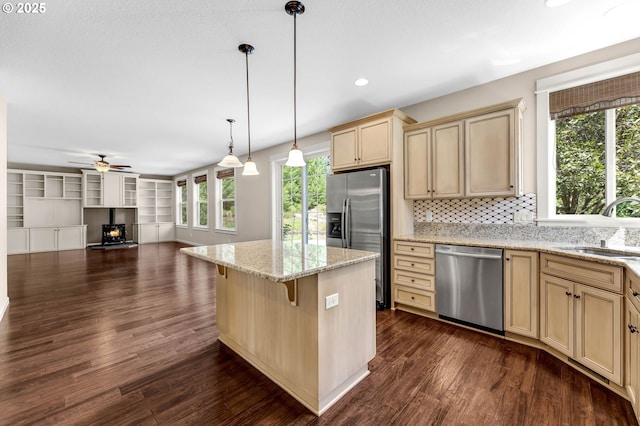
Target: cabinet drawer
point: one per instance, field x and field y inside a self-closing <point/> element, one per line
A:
<point x="420" y="299"/>
<point x="413" y="248"/>
<point x="607" y="277"/>
<point x="414" y="264"/>
<point x="412" y="279"/>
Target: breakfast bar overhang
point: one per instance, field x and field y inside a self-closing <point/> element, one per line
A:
<point x="274" y="309"/>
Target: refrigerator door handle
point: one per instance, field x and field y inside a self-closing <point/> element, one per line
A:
<point x="343" y="223"/>
<point x="347" y="226"/>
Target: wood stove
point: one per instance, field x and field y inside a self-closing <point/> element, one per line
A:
<point x="113" y="234"/>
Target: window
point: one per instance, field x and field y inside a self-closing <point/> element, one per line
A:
<point x="303" y="201"/>
<point x="181" y="202"/>
<point x="591" y="136"/>
<point x="226" y="200"/>
<point x="200" y="197"/>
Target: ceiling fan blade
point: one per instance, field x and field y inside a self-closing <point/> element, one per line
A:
<point x="118" y="167"/>
<point x="76" y="162"/>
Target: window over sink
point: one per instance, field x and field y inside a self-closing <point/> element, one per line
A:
<point x="588" y="126"/>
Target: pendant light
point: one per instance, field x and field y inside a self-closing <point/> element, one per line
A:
<point x="296" y="159"/>
<point x="230" y="160"/>
<point x="250" y="168"/>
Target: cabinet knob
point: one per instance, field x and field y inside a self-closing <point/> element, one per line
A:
<point x="412" y="248"/>
<point x="632" y="328"/>
<point x="413" y="298"/>
<point x="413" y="264"/>
<point x="567" y="293"/>
<point x="412" y="280"/>
<point x="507" y="259"/>
<point x="576" y="296"/>
<point x="511" y="186"/>
<point x="635" y="293"/>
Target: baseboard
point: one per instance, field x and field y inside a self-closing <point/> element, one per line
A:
<point x="4" y="306"/>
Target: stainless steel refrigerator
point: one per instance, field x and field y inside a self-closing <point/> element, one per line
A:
<point x="358" y="218"/>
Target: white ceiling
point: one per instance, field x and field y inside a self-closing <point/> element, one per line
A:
<point x="150" y="83"/>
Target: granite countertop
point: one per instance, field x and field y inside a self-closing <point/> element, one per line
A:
<point x="551" y="247"/>
<point x="279" y="262"/>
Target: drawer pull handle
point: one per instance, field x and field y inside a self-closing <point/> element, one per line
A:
<point x="413" y="264"/>
<point x="635" y="293"/>
<point x="567" y="293"/>
<point x="632" y="328"/>
<point x="576" y="296"/>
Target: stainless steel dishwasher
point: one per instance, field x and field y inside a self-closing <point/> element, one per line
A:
<point x="469" y="286"/>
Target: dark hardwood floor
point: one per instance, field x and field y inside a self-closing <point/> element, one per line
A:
<point x="129" y="337"/>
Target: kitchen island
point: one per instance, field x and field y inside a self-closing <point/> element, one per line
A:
<point x="302" y="314"/>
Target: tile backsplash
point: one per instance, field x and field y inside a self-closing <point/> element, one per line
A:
<point x="477" y="210"/>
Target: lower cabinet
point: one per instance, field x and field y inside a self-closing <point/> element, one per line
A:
<point x="584" y="323"/>
<point x="521" y="292"/>
<point x="154" y="232"/>
<point x="413" y="276"/>
<point x="58" y="238"/>
<point x="17" y="240"/>
<point x="632" y="355"/>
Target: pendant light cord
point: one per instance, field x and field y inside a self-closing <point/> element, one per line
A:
<point x="295" y="61"/>
<point x="246" y="58"/>
<point x="230" y="120"/>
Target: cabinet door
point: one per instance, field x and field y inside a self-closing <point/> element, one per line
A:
<point x="599" y="331"/>
<point x="374" y="144"/>
<point x="166" y="232"/>
<point x="93" y="190"/>
<point x="18" y="240"/>
<point x="417" y="168"/>
<point x="71" y="237"/>
<point x="147" y="233"/>
<point x="43" y="239"/>
<point x="521" y="292"/>
<point x="112" y="189"/>
<point x="344" y="149"/>
<point x="490" y="156"/>
<point x="632" y="349"/>
<point x="447" y="164"/>
<point x="556" y="313"/>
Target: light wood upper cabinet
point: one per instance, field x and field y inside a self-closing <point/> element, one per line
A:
<point x="367" y="141"/>
<point x="110" y="189"/>
<point x="491" y="154"/>
<point x="434" y="162"/>
<point x="472" y="154"/>
<point x="521" y="292"/>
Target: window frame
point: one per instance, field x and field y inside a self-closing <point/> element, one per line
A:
<point x="545" y="141"/>
<point x="219" y="202"/>
<point x="197" y="201"/>
<point x="178" y="201"/>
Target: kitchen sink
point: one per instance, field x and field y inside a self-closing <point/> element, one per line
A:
<point x="602" y="252"/>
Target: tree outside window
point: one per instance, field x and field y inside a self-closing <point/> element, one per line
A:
<point x="581" y="172"/>
<point x="181" y="202"/>
<point x="226" y="200"/>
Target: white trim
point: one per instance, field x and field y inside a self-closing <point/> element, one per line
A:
<point x="597" y="72"/>
<point x="4" y="308"/>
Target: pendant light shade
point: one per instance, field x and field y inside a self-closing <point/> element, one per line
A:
<point x="230" y="160"/>
<point x="250" y="168"/>
<point x="296" y="159"/>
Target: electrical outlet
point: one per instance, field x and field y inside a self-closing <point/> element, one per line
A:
<point x="428" y="216"/>
<point x="331" y="301"/>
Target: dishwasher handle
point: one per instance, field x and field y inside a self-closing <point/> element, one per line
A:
<point x="473" y="255"/>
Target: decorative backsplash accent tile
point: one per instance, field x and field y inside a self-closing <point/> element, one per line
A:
<point x="476" y="210"/>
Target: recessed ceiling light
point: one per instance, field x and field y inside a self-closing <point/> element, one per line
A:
<point x="555" y="3"/>
<point x="361" y="82"/>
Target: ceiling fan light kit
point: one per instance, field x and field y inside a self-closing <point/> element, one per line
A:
<point x="103" y="165"/>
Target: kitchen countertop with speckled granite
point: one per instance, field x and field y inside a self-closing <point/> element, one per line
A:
<point x="559" y="248"/>
<point x="279" y="261"/>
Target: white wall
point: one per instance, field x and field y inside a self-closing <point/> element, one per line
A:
<point x="4" y="292"/>
<point x="517" y="86"/>
<point x="253" y="198"/>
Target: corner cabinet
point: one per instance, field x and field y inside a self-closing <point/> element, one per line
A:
<point x="366" y="142"/>
<point x="110" y="189"/>
<point x="581" y="312"/>
<point x="472" y="154"/>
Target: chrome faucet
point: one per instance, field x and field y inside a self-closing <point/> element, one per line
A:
<point x="608" y="211"/>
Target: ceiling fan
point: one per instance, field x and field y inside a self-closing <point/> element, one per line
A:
<point x="102" y="165"/>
